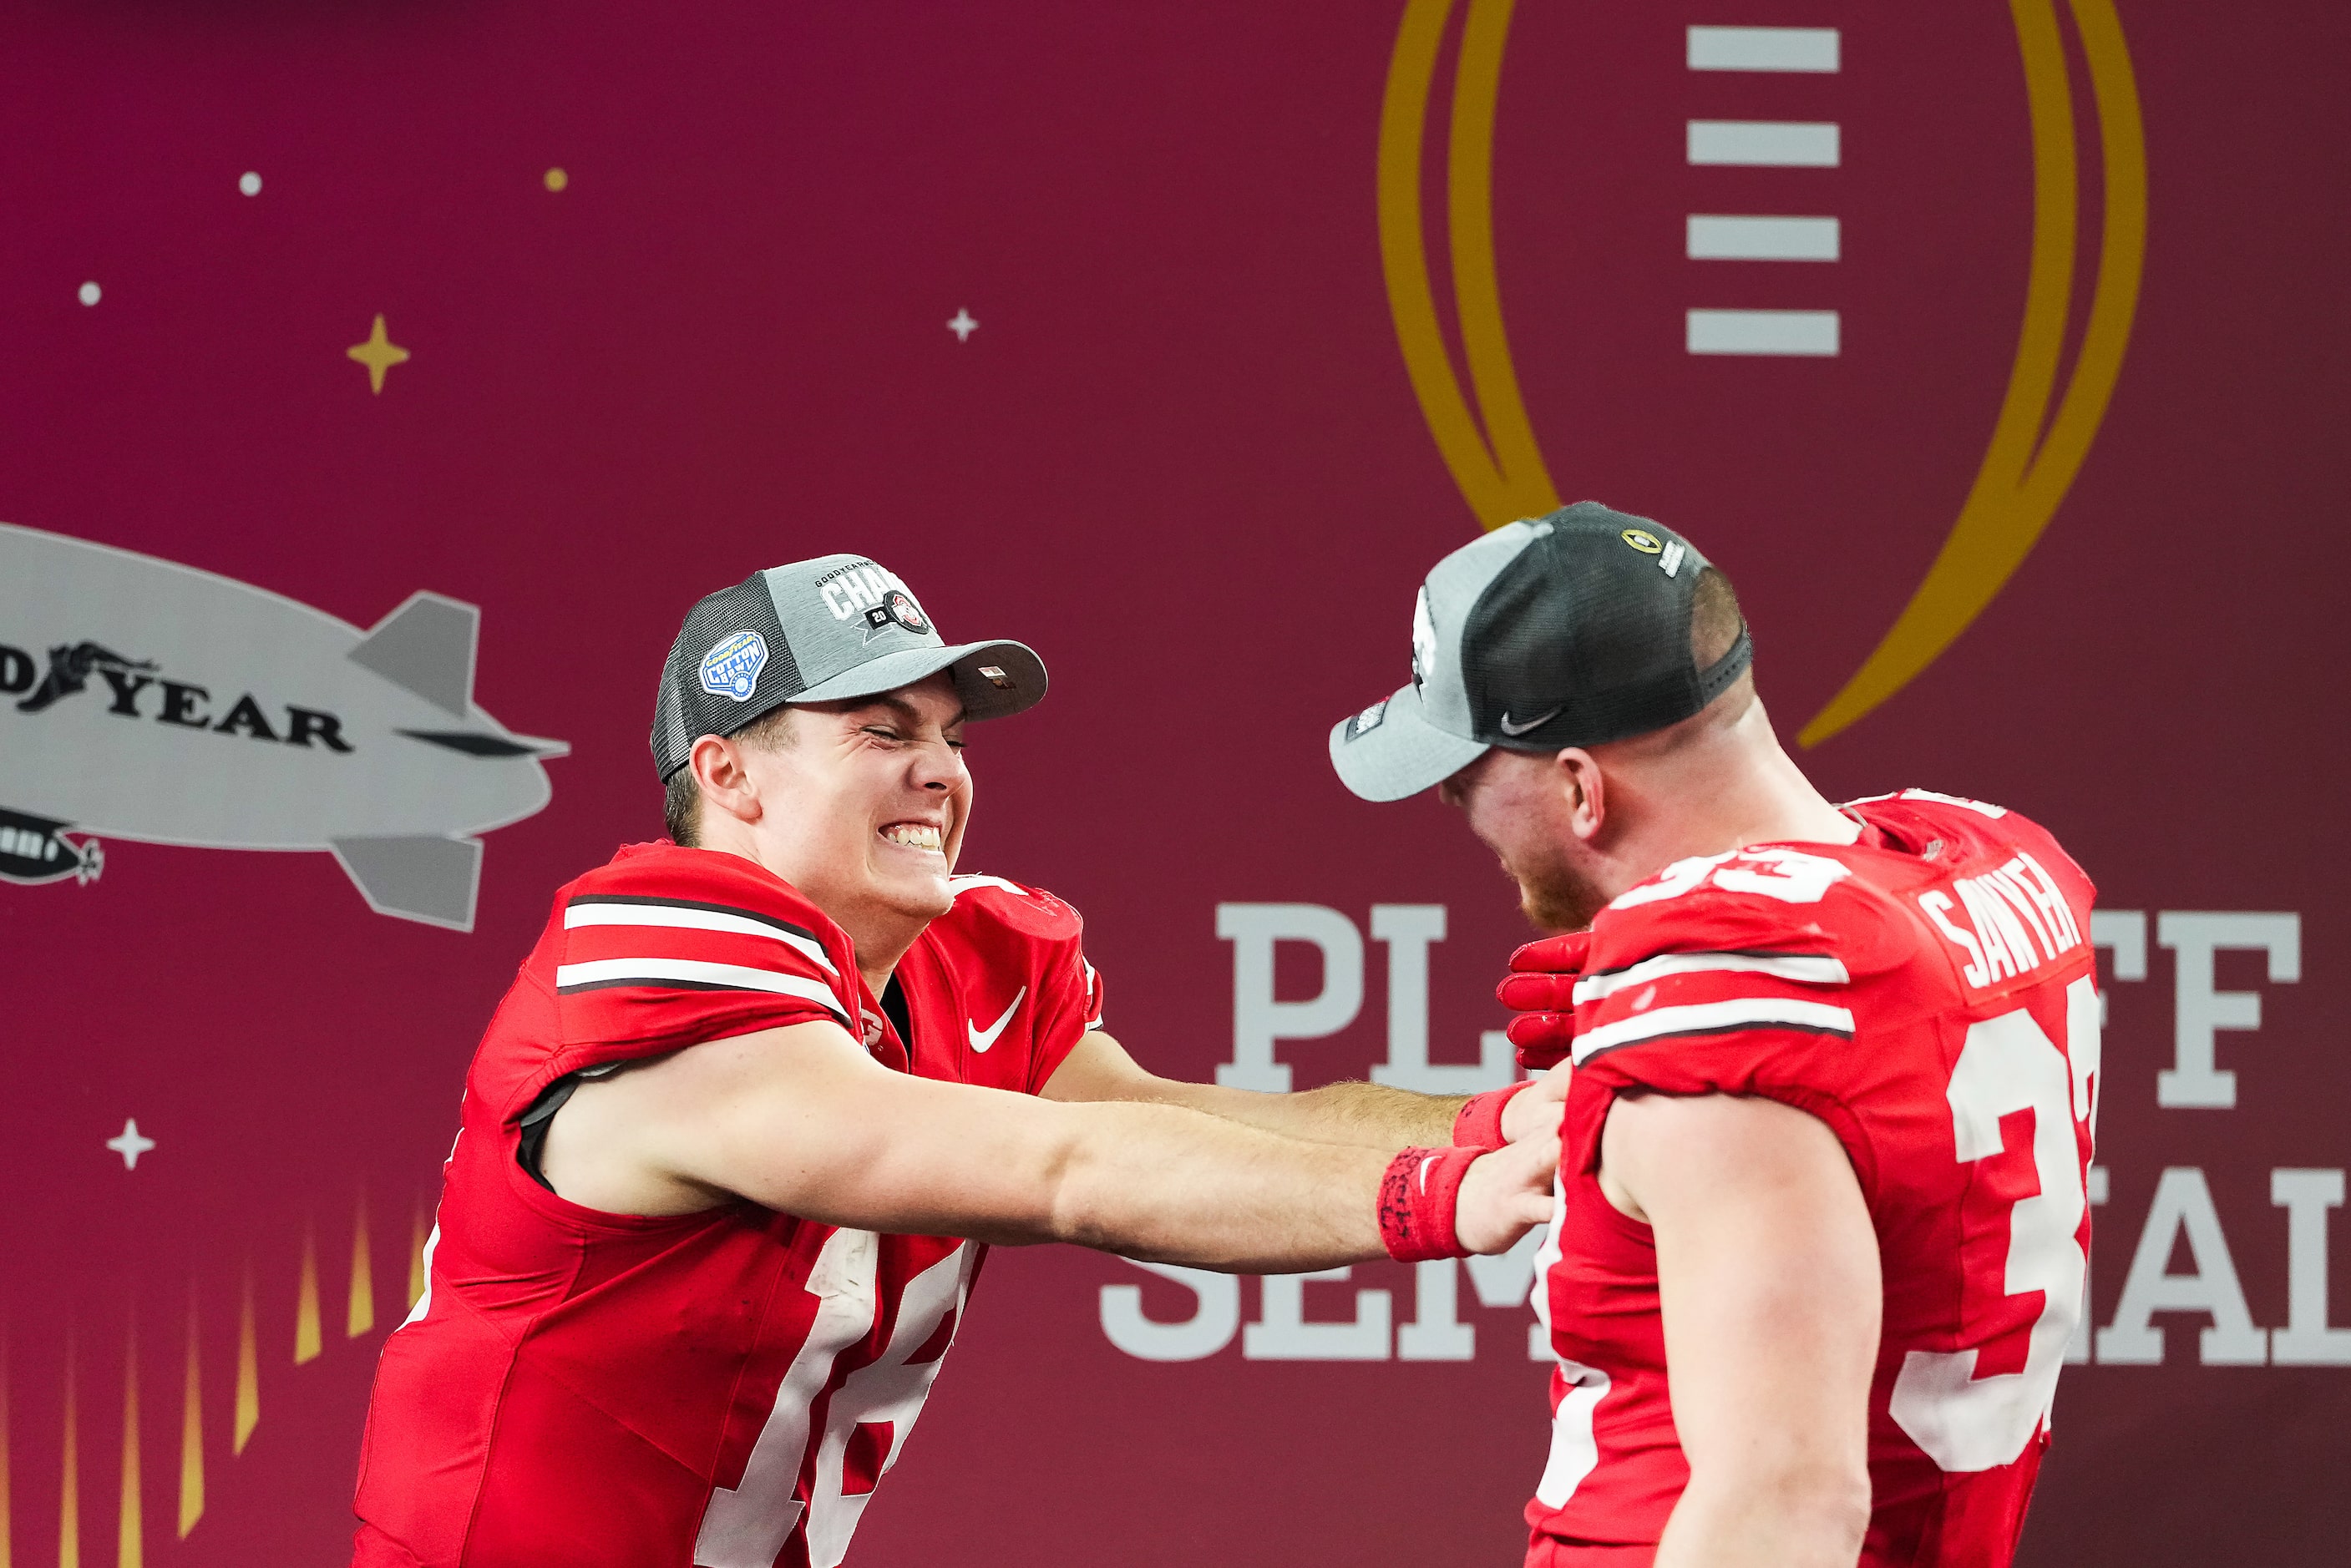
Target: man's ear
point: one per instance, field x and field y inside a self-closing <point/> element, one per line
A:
<point x="1586" y="791"/>
<point x="719" y="773"/>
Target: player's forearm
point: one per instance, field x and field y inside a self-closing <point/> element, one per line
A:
<point x="1154" y="1181"/>
<point x="1362" y="1116"/>
<point x="830" y="1137"/>
<point x="1783" y="1516"/>
<point x="1164" y="1183"/>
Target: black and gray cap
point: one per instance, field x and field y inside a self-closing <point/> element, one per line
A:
<point x="1566" y="630"/>
<point x="820" y="632"/>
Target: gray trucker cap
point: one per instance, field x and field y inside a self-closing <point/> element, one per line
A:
<point x="1567" y="630"/>
<point x="820" y="632"/>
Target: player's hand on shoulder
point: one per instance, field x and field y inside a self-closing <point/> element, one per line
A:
<point x="1540" y="989"/>
<point x="1507" y="1193"/>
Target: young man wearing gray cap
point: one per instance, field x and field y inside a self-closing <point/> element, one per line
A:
<point x="736" y="1140"/>
<point x="1821" y="1233"/>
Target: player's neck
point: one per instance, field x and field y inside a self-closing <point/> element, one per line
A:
<point x="1779" y="811"/>
<point x="880" y="934"/>
<point x="877" y="968"/>
<point x="1770" y="800"/>
<point x="1741" y="788"/>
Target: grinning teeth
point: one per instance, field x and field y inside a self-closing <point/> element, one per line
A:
<point x="913" y="836"/>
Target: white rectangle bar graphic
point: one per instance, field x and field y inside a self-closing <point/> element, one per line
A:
<point x="1808" y="334"/>
<point x="1763" y="49"/>
<point x="1719" y="238"/>
<point x="1764" y="143"/>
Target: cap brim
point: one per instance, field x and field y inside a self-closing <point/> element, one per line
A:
<point x="1401" y="753"/>
<point x="1018" y="684"/>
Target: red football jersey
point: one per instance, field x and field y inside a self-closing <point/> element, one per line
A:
<point x="1928" y="994"/>
<point x="722" y="1388"/>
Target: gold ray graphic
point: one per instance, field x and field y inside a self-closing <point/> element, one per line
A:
<point x="248" y="1368"/>
<point x="69" y="1480"/>
<point x="131" y="1537"/>
<point x="415" y="1256"/>
<point x="2017" y="491"/>
<point x="1497" y="465"/>
<point x="2026" y="470"/>
<point x="360" y="1317"/>
<point x="305" y="1302"/>
<point x="191" y="1430"/>
<point x="7" y="1522"/>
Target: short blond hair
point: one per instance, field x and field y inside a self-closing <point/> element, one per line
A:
<point x="1715" y="620"/>
<point x="682" y="798"/>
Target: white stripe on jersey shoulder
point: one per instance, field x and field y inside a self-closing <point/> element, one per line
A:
<point x="1986" y="808"/>
<point x="1994" y="812"/>
<point x="690" y="974"/>
<point x="680" y="914"/>
<point x="963" y="885"/>
<point x="1093" y="993"/>
<point x="1715" y="1018"/>
<point x="1807" y="969"/>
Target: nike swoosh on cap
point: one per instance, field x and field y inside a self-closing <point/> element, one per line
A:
<point x="982" y="1039"/>
<point x="1540" y="719"/>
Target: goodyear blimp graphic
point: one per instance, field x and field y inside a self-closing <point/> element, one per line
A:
<point x="147" y="700"/>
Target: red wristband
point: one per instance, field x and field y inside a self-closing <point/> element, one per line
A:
<point x="1479" y="1124"/>
<point x="1417" y="1199"/>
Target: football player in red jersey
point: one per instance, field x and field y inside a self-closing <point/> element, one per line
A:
<point x="1821" y="1233"/>
<point x="733" y="1146"/>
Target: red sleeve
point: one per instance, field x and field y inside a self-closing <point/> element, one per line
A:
<point x="1737" y="989"/>
<point x="676" y="947"/>
<point x="1049" y="937"/>
<point x="1072" y="1004"/>
<point x="1070" y="990"/>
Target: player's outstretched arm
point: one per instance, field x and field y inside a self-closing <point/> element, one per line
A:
<point x="1365" y="1115"/>
<point x="1768" y="1274"/>
<point x="802" y="1120"/>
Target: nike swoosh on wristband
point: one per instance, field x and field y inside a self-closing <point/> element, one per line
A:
<point x="981" y="1039"/>
<point x="1514" y="730"/>
<point x="1426" y="1161"/>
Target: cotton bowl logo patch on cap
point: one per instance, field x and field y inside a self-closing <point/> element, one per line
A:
<point x="1641" y="539"/>
<point x="732" y="668"/>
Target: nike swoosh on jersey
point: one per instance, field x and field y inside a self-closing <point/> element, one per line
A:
<point x="982" y="1039"/>
<point x="1510" y="729"/>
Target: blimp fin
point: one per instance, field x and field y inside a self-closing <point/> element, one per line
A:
<point x="426" y="645"/>
<point x="470" y="743"/>
<point x="428" y="879"/>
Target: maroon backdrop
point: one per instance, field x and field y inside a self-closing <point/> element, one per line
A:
<point x="1180" y="455"/>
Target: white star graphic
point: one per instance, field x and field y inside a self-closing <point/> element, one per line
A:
<point x="963" y="326"/>
<point x="131" y="1145"/>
